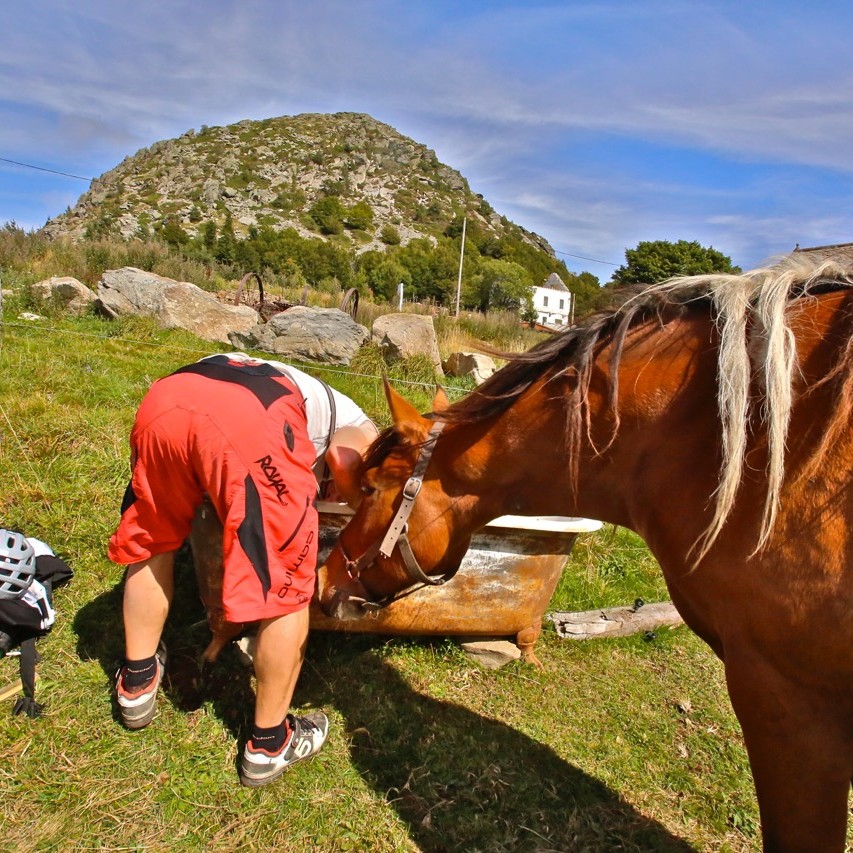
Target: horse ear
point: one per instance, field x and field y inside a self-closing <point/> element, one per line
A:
<point x="401" y="409"/>
<point x="440" y="401"/>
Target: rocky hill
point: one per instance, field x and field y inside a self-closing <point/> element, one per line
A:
<point x="345" y="177"/>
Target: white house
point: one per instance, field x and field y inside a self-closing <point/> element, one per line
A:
<point x="554" y="303"/>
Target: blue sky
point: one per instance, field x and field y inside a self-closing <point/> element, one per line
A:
<point x="597" y="124"/>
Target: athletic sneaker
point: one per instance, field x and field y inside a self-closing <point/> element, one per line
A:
<point x="136" y="707"/>
<point x="259" y="767"/>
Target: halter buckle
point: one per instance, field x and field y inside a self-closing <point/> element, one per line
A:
<point x="412" y="488"/>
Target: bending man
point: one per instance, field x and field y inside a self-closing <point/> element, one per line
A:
<point x="236" y="429"/>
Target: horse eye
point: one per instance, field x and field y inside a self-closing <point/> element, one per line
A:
<point x="367" y="490"/>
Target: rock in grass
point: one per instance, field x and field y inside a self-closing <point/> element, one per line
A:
<point x="322" y="335"/>
<point x="174" y="304"/>
<point x="491" y="654"/>
<point x="402" y="336"/>
<point x="63" y="293"/>
<point x="616" y="621"/>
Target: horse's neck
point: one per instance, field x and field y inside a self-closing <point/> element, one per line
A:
<point x="656" y="461"/>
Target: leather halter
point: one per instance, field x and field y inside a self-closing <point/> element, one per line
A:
<point x="395" y="535"/>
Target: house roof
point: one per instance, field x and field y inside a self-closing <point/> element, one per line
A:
<point x="836" y="250"/>
<point x="554" y="282"/>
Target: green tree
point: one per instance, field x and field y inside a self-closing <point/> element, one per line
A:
<point x="172" y="233"/>
<point x="657" y="260"/>
<point x="587" y="292"/>
<point x="292" y="275"/>
<point x="328" y="213"/>
<point x="288" y="199"/>
<point x="528" y="311"/>
<point x="499" y="284"/>
<point x="441" y="273"/>
<point x="390" y="235"/>
<point x="380" y="273"/>
<point x="207" y="233"/>
<point x="360" y="216"/>
<point x="226" y="245"/>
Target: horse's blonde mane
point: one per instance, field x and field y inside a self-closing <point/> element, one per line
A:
<point x="756" y="344"/>
<point x="757" y="350"/>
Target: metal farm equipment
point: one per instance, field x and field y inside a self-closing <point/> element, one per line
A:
<point x="247" y="294"/>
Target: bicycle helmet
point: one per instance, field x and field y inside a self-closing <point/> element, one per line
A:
<point x="17" y="564"/>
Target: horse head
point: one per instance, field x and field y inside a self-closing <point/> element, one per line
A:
<point x="402" y="532"/>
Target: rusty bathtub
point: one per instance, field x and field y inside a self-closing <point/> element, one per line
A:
<point x="502" y="589"/>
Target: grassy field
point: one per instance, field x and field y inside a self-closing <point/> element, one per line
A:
<point x="613" y="745"/>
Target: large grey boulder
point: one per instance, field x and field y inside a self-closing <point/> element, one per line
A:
<point x="175" y="304"/>
<point x="63" y="293"/>
<point x="473" y="365"/>
<point x="324" y="335"/>
<point x="404" y="335"/>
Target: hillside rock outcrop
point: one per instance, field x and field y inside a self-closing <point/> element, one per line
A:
<point x="323" y="335"/>
<point x="175" y="304"/>
<point x="405" y="335"/>
<point x="273" y="173"/>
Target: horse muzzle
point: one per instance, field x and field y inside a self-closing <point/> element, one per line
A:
<point x="341" y="596"/>
<point x="347" y="607"/>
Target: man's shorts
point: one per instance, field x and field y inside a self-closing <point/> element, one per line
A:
<point x="237" y="432"/>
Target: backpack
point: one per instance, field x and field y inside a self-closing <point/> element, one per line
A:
<point x="26" y="618"/>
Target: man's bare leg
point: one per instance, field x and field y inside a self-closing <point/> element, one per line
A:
<point x="148" y="591"/>
<point x="280" y="740"/>
<point x="278" y="656"/>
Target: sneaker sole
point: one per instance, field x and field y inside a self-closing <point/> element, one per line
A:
<point x="250" y="782"/>
<point x="259" y="781"/>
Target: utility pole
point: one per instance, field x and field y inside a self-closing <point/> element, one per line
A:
<point x="461" y="256"/>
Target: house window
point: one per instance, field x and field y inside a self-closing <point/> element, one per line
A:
<point x="562" y="304"/>
<point x="545" y="301"/>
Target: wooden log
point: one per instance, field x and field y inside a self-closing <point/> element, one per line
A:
<point x="616" y="621"/>
<point x="10" y="689"/>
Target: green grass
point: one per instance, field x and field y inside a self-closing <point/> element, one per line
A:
<point x="613" y="745"/>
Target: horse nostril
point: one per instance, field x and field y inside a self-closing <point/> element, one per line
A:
<point x="344" y="606"/>
<point x="329" y="604"/>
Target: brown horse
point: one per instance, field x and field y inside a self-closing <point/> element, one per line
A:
<point x="712" y="416"/>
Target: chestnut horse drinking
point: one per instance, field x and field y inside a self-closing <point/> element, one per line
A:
<point x="712" y="416"/>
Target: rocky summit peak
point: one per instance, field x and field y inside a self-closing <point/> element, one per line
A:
<point x="343" y="176"/>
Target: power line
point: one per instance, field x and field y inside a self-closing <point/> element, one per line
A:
<point x="42" y="169"/>
<point x="584" y="258"/>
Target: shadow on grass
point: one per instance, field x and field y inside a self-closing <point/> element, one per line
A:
<point x="226" y="684"/>
<point x="462" y="781"/>
<point x="459" y="780"/>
